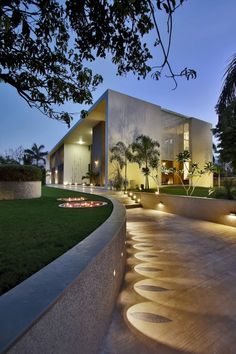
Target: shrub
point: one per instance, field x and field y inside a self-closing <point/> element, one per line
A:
<point x="20" y="173"/>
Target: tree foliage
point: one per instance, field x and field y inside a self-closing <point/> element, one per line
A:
<point x="225" y="129"/>
<point x="46" y="46"/>
<point x="146" y="155"/>
<point x="35" y="154"/>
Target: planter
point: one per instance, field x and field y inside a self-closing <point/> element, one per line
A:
<point x="10" y="190"/>
<point x="66" y="307"/>
<point x="216" y="210"/>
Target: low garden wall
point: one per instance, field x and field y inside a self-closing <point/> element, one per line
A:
<point x="66" y="307"/>
<point x="20" y="190"/>
<point x="215" y="210"/>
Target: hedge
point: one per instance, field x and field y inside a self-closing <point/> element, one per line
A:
<point x="20" y="173"/>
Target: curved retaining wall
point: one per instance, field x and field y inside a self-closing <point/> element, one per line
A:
<point x="67" y="305"/>
<point x="20" y="190"/>
<point x="215" y="210"/>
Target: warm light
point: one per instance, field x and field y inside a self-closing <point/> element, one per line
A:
<point x="83" y="204"/>
<point x="160" y="204"/>
<point x="232" y="214"/>
<point x="138" y="200"/>
<point x="157" y="192"/>
<point x="114" y="273"/>
<point x="75" y="184"/>
<point x="96" y="162"/>
<point x="130" y="194"/>
<point x="83" y="184"/>
<point x="65" y="183"/>
<point x="125" y="192"/>
<point x="91" y="184"/>
<point x="135" y="196"/>
<point x="56" y="171"/>
<point x="81" y="142"/>
<point x="122" y="254"/>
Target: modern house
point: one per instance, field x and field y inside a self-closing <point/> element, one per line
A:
<point x="118" y="117"/>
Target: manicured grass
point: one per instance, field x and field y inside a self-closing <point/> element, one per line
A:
<point x="179" y="190"/>
<point x="35" y="232"/>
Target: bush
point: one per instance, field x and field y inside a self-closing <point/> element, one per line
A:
<point x="20" y="173"/>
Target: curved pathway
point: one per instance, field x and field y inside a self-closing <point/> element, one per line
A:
<point x="179" y="292"/>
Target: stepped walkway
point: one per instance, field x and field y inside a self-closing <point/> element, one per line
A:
<point x="179" y="290"/>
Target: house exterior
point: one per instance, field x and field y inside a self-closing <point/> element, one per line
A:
<point x="118" y="117"/>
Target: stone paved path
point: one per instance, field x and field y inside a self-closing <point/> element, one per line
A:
<point x="179" y="292"/>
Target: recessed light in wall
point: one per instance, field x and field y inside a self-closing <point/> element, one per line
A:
<point x="80" y="142"/>
<point x="232" y="214"/>
<point x="114" y="273"/>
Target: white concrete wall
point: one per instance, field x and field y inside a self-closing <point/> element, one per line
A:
<point x="129" y="117"/>
<point x="201" y="147"/>
<point x="76" y="160"/>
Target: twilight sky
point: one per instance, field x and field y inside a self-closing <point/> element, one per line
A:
<point x="203" y="39"/>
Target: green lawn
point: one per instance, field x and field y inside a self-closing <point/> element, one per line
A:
<point x="179" y="190"/>
<point x="35" y="232"/>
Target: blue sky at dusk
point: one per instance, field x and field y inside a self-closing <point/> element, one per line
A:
<point x="203" y="39"/>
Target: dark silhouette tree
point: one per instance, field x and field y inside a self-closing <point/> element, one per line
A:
<point x="47" y="45"/>
<point x="225" y="129"/>
<point x="35" y="154"/>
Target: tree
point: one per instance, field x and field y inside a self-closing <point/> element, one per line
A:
<point x="35" y="154"/>
<point x="122" y="154"/>
<point x="194" y="172"/>
<point x="44" y="45"/>
<point x="225" y="129"/>
<point x="145" y="150"/>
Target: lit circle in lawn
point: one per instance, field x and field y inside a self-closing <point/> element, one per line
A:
<point x="72" y="199"/>
<point x="85" y="204"/>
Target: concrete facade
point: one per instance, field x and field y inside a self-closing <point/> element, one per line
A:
<point x="117" y="117"/>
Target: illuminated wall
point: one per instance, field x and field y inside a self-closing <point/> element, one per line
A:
<point x="77" y="159"/>
<point x="129" y="117"/>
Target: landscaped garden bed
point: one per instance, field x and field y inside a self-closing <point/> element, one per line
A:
<point x="35" y="232"/>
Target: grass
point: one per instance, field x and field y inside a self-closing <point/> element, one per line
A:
<point x="219" y="193"/>
<point x="179" y="190"/>
<point x="35" y="232"/>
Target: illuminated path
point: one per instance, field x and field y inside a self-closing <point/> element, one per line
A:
<point x="179" y="292"/>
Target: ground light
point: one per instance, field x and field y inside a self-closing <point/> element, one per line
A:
<point x="72" y="199"/>
<point x="83" y="204"/>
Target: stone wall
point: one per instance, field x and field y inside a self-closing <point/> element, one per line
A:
<point x="20" y="190"/>
<point x="215" y="210"/>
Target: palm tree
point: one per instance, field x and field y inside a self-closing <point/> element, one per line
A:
<point x="122" y="155"/>
<point x="228" y="93"/>
<point x="36" y="154"/>
<point x="144" y="150"/>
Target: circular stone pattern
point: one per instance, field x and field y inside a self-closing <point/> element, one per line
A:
<point x="83" y="204"/>
<point x="72" y="199"/>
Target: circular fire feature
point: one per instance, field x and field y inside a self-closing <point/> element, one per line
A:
<point x="72" y="199"/>
<point x="85" y="204"/>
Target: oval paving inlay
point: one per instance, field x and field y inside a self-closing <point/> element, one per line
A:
<point x="150" y="317"/>
<point x="149" y="287"/>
